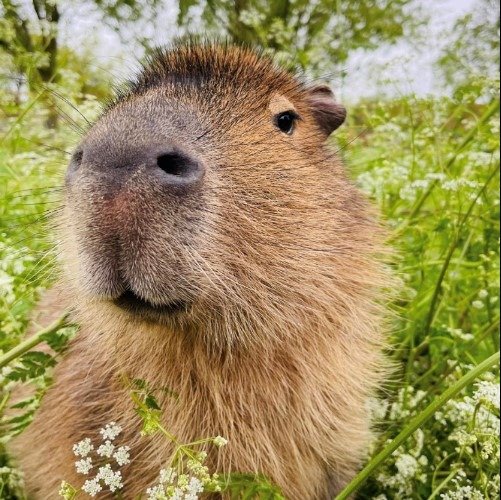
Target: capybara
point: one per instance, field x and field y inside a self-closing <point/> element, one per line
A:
<point x="211" y="243"/>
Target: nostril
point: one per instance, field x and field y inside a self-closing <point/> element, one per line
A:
<point x="173" y="164"/>
<point x="74" y="166"/>
<point x="77" y="157"/>
<point x="180" y="168"/>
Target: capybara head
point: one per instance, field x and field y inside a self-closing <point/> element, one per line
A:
<point x="205" y="198"/>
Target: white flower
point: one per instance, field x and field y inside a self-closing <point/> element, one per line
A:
<point x="406" y="465"/>
<point x="483" y="294"/>
<point x="83" y="448"/>
<point x="112" y="479"/>
<point x="463" y="438"/>
<point x="377" y="407"/>
<point x="104" y="472"/>
<point x="167" y="475"/>
<point x="494" y="486"/>
<point x="220" y="441"/>
<point x="195" y="486"/>
<point x="122" y="455"/>
<point x="463" y="493"/>
<point x="487" y="391"/>
<point x="156" y="493"/>
<point x="110" y="431"/>
<point x="459" y="334"/>
<point x="114" y="482"/>
<point x="177" y="494"/>
<point x="487" y="450"/>
<point x="84" y="466"/>
<point x="92" y="487"/>
<point x="106" y="449"/>
<point x="477" y="304"/>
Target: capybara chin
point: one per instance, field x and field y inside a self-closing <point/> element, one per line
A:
<point x="211" y="243"/>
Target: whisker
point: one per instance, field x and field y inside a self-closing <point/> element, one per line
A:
<point x="46" y="215"/>
<point x="67" y="101"/>
<point x="47" y="146"/>
<point x="35" y="191"/>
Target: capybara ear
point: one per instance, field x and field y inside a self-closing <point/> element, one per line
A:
<point x="328" y="113"/>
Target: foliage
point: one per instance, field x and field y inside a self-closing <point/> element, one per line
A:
<point x="31" y="160"/>
<point x="29" y="32"/>
<point x="437" y="185"/>
<point x="318" y="35"/>
<point x="32" y="44"/>
<point x="474" y="50"/>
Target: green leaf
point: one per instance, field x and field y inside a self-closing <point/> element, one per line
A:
<point x="151" y="402"/>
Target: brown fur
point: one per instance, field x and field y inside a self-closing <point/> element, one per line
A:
<point x="274" y="256"/>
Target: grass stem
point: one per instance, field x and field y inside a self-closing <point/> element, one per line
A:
<point x="415" y="424"/>
<point x="33" y="340"/>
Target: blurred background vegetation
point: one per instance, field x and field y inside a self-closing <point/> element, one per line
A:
<point x="421" y="80"/>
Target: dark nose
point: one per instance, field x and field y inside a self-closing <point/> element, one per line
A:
<point x="168" y="166"/>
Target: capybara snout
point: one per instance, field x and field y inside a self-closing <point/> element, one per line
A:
<point x="134" y="136"/>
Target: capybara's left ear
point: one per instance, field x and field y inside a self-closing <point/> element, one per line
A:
<point x="328" y="113"/>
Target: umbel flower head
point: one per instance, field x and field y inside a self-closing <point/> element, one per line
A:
<point x="185" y="479"/>
<point x="191" y="476"/>
<point x="108" y="477"/>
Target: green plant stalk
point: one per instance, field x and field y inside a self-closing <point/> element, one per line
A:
<point x="32" y="341"/>
<point x="450" y="253"/>
<point x="21" y="116"/>
<point x="415" y="424"/>
<point x="435" y="300"/>
<point x="491" y="110"/>
<point x="442" y="485"/>
<point x="492" y="328"/>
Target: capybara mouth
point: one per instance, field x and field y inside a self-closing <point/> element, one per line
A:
<point x="134" y="304"/>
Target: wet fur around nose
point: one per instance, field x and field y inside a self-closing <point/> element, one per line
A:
<point x="273" y="255"/>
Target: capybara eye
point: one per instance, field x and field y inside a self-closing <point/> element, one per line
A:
<point x="285" y="121"/>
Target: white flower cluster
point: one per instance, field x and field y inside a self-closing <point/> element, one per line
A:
<point x="463" y="493"/>
<point x="172" y="486"/>
<point x="467" y="491"/>
<point x="409" y="468"/>
<point x="377" y="408"/>
<point x="407" y="400"/>
<point x="475" y="423"/>
<point x="106" y="477"/>
<point x="389" y="177"/>
<point x="476" y="410"/>
<point x="473" y="427"/>
<point x="179" y="486"/>
<point x="458" y="334"/>
<point x="408" y="191"/>
<point x="13" y="263"/>
<point x="487" y="392"/>
<point x="110" y="478"/>
<point x="110" y="431"/>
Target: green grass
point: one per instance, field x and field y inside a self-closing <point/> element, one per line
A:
<point x="432" y="168"/>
